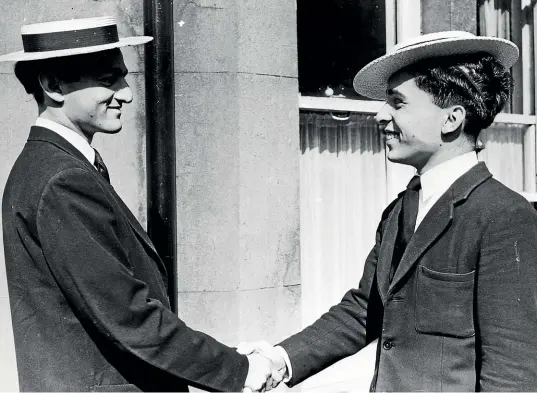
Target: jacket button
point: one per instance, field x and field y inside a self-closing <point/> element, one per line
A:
<point x="387" y="345"/>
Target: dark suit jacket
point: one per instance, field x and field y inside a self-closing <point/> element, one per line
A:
<point x="461" y="311"/>
<point x="88" y="290"/>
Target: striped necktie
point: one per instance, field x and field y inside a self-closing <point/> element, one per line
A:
<point x="101" y="168"/>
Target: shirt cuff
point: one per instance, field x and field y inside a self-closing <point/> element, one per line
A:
<point x="285" y="356"/>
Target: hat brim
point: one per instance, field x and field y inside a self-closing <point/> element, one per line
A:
<point x="372" y="80"/>
<point x="29" y="56"/>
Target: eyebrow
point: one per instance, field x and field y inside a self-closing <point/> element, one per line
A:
<point x="393" y="92"/>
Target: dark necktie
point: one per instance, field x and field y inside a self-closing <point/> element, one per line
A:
<point x="101" y="168"/>
<point x="407" y="221"/>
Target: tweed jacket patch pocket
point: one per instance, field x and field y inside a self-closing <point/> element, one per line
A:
<point x="444" y="303"/>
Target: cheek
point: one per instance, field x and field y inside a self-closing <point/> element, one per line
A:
<point x="100" y="109"/>
<point x="405" y="123"/>
<point x="99" y="99"/>
<point x="417" y="129"/>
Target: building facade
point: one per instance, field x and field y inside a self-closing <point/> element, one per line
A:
<point x="281" y="174"/>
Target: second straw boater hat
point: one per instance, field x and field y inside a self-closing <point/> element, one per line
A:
<point x="70" y="37"/>
<point x="372" y="80"/>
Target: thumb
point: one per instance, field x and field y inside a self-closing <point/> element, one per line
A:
<point x="247" y="348"/>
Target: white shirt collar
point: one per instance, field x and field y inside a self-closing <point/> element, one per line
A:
<point x="438" y="179"/>
<point x="70" y="136"/>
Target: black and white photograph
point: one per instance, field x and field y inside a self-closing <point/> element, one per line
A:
<point x="251" y="195"/>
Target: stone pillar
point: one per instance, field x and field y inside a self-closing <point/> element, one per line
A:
<point x="439" y="15"/>
<point x="237" y="168"/>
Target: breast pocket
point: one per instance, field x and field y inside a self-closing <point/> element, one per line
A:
<point x="444" y="303"/>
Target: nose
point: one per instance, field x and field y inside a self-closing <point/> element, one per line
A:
<point x="124" y="93"/>
<point x="384" y="116"/>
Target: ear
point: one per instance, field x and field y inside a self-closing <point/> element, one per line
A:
<point x="454" y="120"/>
<point x="51" y="87"/>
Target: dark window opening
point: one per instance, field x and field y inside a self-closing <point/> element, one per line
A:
<point x="335" y="39"/>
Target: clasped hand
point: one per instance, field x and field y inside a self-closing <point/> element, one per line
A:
<point x="267" y="366"/>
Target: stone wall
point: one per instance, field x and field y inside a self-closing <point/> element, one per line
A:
<point x="238" y="167"/>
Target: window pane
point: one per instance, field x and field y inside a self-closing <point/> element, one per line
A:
<point x="335" y="39"/>
<point x="504" y="153"/>
<point x="515" y="22"/>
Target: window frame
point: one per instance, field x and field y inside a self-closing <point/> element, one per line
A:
<point x="403" y="20"/>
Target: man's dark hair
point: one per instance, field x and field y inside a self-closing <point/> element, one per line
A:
<point x="477" y="82"/>
<point x="67" y="69"/>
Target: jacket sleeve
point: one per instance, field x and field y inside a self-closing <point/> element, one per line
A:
<point x="506" y="302"/>
<point x="78" y="229"/>
<point x="344" y="330"/>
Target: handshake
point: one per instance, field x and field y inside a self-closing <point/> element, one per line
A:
<point x="267" y="366"/>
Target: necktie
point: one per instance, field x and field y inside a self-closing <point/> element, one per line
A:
<point x="407" y="221"/>
<point x="101" y="168"/>
<point x="410" y="208"/>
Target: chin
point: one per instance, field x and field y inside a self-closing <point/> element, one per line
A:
<point x="393" y="156"/>
<point x="112" y="129"/>
<point x="396" y="158"/>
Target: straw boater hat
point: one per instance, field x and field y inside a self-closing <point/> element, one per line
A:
<point x="372" y="80"/>
<point x="70" y="37"/>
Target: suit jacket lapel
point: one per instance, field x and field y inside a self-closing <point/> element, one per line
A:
<point x="45" y="135"/>
<point x="387" y="246"/>
<point x="136" y="226"/>
<point x="436" y="221"/>
<point x="432" y="226"/>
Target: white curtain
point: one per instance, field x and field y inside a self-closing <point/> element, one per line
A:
<point x="504" y="153"/>
<point x="343" y="193"/>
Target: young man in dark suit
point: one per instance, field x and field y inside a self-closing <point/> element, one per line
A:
<point x="450" y="288"/>
<point x="87" y="288"/>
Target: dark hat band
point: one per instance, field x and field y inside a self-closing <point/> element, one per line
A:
<point x="70" y="39"/>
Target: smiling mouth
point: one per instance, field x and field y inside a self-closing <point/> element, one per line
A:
<point x="117" y="110"/>
<point x="391" y="135"/>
